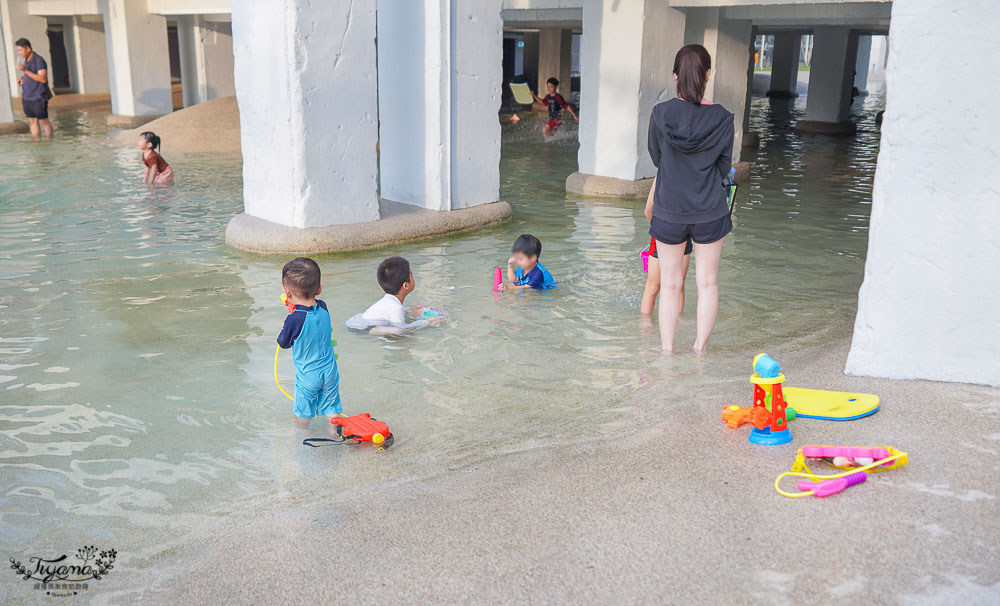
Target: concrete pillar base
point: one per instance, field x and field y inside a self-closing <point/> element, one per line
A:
<point x="10" y="128"/>
<point x="781" y="94"/>
<point x="827" y="128"/>
<point x="751" y="140"/>
<point x="610" y="187"/>
<point x="398" y="223"/>
<point x="607" y="187"/>
<point x="120" y="121"/>
<point x="742" y="171"/>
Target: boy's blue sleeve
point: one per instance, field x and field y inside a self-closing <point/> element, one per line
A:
<point x="290" y="331"/>
<point x="535" y="279"/>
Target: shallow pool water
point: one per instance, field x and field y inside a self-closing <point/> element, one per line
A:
<point x="136" y="392"/>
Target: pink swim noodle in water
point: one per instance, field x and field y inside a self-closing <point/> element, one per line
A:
<point x="497" y="279"/>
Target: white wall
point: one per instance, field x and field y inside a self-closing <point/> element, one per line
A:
<point x="19" y="23"/>
<point x="440" y="69"/>
<point x="305" y="84"/>
<point x="930" y="303"/>
<point x="189" y="7"/>
<point x="139" y="71"/>
<point x="206" y="54"/>
<point x="626" y="60"/>
<point x="90" y="55"/>
<point x="217" y="41"/>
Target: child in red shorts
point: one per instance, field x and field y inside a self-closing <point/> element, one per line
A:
<point x="648" y="303"/>
<point x="556" y="103"/>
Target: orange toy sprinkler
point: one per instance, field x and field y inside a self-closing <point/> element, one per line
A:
<point x="360" y="428"/>
<point x="770" y="422"/>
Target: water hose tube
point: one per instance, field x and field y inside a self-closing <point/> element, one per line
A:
<point x="277" y="382"/>
<point x="815" y="477"/>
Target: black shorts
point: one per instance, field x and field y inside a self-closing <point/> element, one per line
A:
<point x="36" y="108"/>
<point x="700" y="233"/>
<point x="652" y="248"/>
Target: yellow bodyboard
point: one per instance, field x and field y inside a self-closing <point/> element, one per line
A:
<point x="830" y="405"/>
<point x="522" y="93"/>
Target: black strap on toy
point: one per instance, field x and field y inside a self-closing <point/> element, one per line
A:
<point x="315" y="442"/>
<point x="311" y="441"/>
<point x="340" y="433"/>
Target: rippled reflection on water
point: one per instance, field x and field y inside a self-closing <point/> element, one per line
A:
<point x="136" y="350"/>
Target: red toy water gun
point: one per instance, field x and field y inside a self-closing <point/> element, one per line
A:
<point x="360" y="428"/>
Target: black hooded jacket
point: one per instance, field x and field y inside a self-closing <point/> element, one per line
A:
<point x="692" y="149"/>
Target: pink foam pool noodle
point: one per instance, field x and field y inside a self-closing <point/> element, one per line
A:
<point x="497" y="279"/>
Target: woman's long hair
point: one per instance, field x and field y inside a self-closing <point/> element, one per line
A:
<point x="691" y="65"/>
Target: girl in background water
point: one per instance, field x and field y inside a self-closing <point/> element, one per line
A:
<point x="157" y="170"/>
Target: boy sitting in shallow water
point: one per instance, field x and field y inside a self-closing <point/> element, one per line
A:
<point x="307" y="331"/>
<point x="387" y="316"/>
<point x="523" y="269"/>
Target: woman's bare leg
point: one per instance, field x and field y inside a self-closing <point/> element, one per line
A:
<point x="652" y="289"/>
<point x="680" y="304"/>
<point x="707" y="275"/>
<point x="671" y="281"/>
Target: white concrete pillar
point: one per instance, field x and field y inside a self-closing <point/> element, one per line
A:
<point x="831" y="79"/>
<point x="750" y="139"/>
<point x="566" y="64"/>
<point x="529" y="58"/>
<point x="861" y="65"/>
<point x="549" y="54"/>
<point x="728" y="42"/>
<point x="785" y="65"/>
<point x="928" y="306"/>
<point x="439" y="136"/>
<point x="17" y="23"/>
<point x="139" y="65"/>
<point x="89" y="55"/>
<point x="217" y="42"/>
<point x="306" y="87"/>
<point x="627" y="47"/>
<point x="6" y="107"/>
<point x="192" y="56"/>
<point x="206" y="49"/>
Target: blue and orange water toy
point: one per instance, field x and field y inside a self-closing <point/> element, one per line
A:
<point x="768" y="412"/>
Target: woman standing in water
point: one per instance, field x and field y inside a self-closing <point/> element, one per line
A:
<point x="691" y="144"/>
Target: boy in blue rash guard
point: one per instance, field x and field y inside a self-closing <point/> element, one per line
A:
<point x="307" y="331"/>
<point x="523" y="269"/>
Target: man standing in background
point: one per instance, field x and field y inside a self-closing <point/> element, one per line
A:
<point x="35" y="92"/>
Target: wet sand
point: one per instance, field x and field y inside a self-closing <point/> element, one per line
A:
<point x="679" y="511"/>
<point x="210" y="127"/>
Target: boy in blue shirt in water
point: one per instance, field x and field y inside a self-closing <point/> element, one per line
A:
<point x="307" y="331"/>
<point x="523" y="268"/>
